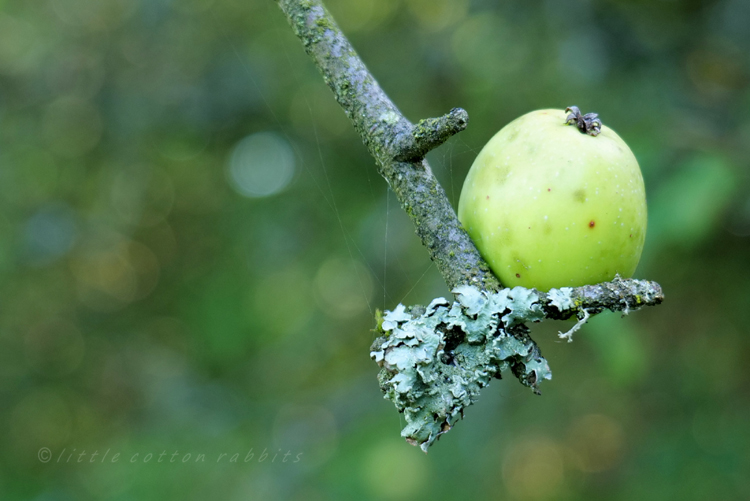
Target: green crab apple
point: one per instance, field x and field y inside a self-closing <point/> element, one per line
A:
<point x="549" y="205"/>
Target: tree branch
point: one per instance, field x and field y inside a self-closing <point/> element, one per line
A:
<point x="396" y="144"/>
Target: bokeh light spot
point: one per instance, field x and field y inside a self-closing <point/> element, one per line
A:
<point x="142" y="195"/>
<point x="262" y="164"/>
<point x="17" y="39"/>
<point x="435" y="15"/>
<point x="533" y="469"/>
<point x="193" y="6"/>
<point x="100" y="15"/>
<point x="54" y="347"/>
<point x="597" y="442"/>
<point x="72" y="127"/>
<point x="49" y="234"/>
<point x="394" y="470"/>
<point x="361" y="15"/>
<point x="111" y="275"/>
<point x="272" y="298"/>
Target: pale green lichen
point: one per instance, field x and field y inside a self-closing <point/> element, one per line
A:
<point x="561" y="298"/>
<point x="390" y="117"/>
<point x="434" y="362"/>
<point x="582" y="319"/>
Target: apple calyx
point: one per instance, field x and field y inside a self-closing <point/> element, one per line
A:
<point x="588" y="124"/>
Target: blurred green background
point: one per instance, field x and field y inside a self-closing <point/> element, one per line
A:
<point x="193" y="243"/>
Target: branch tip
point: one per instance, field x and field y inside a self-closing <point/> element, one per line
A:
<point x="430" y="133"/>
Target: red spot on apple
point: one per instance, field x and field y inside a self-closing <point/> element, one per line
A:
<point x="592" y="223"/>
<point x="518" y="275"/>
<point x="488" y="197"/>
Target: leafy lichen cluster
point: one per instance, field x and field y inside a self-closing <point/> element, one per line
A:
<point x="435" y="360"/>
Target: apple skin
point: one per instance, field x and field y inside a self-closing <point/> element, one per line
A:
<point x="548" y="206"/>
